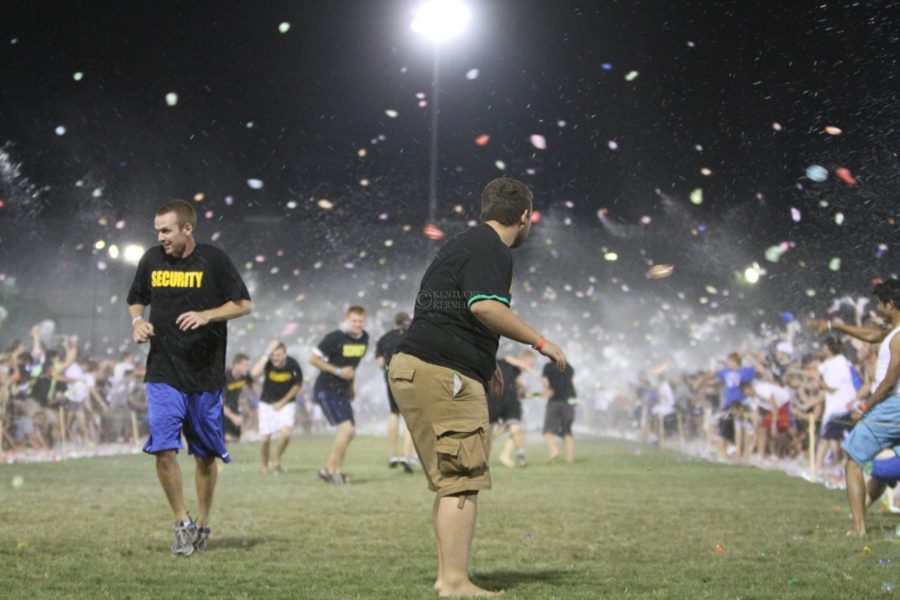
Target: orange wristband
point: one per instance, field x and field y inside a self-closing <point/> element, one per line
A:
<point x="540" y="344"/>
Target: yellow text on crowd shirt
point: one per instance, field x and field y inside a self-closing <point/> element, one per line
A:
<point x="354" y="350"/>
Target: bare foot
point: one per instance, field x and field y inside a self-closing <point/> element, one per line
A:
<point x="552" y="458"/>
<point x="854" y="533"/>
<point x="438" y="585"/>
<point x="264" y="470"/>
<point x="467" y="590"/>
<point x="507" y="462"/>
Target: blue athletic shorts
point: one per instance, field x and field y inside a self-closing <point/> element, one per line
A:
<point x="198" y="415"/>
<point x="887" y="470"/>
<point x="336" y="407"/>
<point x="878" y="429"/>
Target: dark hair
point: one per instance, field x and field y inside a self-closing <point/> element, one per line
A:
<point x="401" y="319"/>
<point x="239" y="358"/>
<point x="835" y="346"/>
<point x="504" y="200"/>
<point x="888" y="292"/>
<point x="357" y="310"/>
<point x="184" y="212"/>
<point x="735" y="357"/>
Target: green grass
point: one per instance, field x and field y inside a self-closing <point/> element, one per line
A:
<point x="619" y="523"/>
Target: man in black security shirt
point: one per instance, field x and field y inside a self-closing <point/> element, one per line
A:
<point x="192" y="290"/>
<point x="277" y="402"/>
<point x="441" y="368"/>
<point x="336" y="357"/>
<point x="560" y="414"/>
<point x="237" y="379"/>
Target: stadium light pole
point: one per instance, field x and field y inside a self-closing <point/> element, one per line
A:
<point x="437" y="21"/>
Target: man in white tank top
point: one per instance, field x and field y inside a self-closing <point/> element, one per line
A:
<point x="878" y="418"/>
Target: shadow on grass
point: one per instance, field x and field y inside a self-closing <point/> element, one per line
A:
<point x="245" y="543"/>
<point x="507" y="580"/>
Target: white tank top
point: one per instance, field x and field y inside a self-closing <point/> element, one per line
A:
<point x="884" y="361"/>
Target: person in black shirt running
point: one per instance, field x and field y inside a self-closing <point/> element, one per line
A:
<point x="237" y="381"/>
<point x="283" y="380"/>
<point x="336" y="357"/>
<point x="442" y="366"/>
<point x="560" y="415"/>
<point x="192" y="290"/>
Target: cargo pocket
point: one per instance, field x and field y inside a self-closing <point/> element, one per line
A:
<point x="460" y="448"/>
<point x="403" y="375"/>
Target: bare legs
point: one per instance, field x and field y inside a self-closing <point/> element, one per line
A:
<point x="856" y="495"/>
<point x="284" y="438"/>
<point x="170" y="478"/>
<point x="550" y="439"/>
<point x="169" y="474"/>
<point x="454" y="528"/>
<point x="345" y="434"/>
<point x="264" y="442"/>
<point x="205" y="476"/>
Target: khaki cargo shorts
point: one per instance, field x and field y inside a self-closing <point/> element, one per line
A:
<point x="446" y="414"/>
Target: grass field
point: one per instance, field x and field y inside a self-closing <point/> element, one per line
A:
<point x="619" y="523"/>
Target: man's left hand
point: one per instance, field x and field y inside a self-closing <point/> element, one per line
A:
<point x="191" y="320"/>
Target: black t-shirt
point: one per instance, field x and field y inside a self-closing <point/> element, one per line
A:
<point x="278" y="380"/>
<point x="341" y="350"/>
<point x="233" y="388"/>
<point x="472" y="266"/>
<point x="193" y="360"/>
<point x="387" y="345"/>
<point x="510" y="375"/>
<point x="560" y="382"/>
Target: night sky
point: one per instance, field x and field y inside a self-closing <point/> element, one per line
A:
<point x="638" y="105"/>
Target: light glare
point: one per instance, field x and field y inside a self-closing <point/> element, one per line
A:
<point x="439" y="20"/>
<point x="133" y="253"/>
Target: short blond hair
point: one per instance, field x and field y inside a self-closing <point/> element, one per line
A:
<point x="184" y="212"/>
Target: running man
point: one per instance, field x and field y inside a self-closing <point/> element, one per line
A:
<point x="560" y="415"/>
<point x="192" y="290"/>
<point x="237" y="380"/>
<point x="877" y="420"/>
<point x="510" y="408"/>
<point x="336" y="357"/>
<point x="277" y="403"/>
<point x="444" y="363"/>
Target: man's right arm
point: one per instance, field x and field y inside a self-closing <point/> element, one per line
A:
<point x="497" y="317"/>
<point x="871" y="335"/>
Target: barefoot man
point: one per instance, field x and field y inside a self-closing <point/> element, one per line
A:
<point x="878" y="418"/>
<point x="441" y="368"/>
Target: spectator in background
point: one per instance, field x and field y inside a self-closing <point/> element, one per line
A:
<point x="836" y="382"/>
<point x="384" y="350"/>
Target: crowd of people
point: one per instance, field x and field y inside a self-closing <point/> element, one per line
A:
<point x="54" y="397"/>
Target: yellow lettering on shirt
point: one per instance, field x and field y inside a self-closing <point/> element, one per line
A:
<point x="280" y="376"/>
<point x="237" y="385"/>
<point x="176" y="279"/>
<point x="354" y="350"/>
